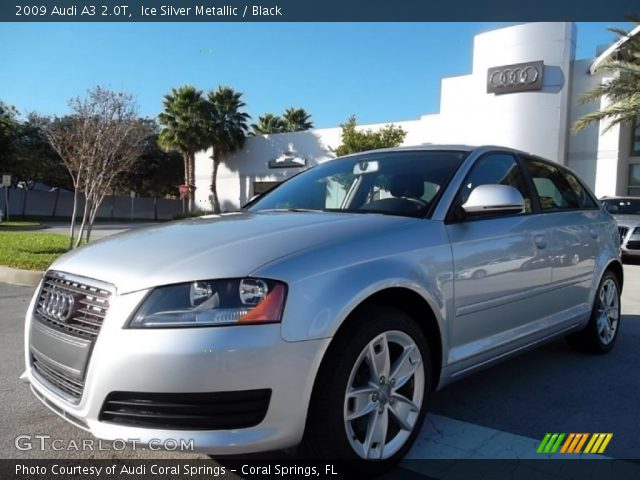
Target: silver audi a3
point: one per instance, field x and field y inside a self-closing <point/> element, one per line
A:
<point x="327" y="311"/>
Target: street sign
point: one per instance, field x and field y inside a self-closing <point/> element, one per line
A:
<point x="6" y="181"/>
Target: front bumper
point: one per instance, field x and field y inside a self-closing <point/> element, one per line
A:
<point x="631" y="247"/>
<point x="191" y="360"/>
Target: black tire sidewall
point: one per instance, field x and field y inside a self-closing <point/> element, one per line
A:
<point x="328" y="405"/>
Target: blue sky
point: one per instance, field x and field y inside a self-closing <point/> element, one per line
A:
<point x="380" y="72"/>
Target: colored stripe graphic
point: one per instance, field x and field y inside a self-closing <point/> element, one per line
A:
<point x="574" y="442"/>
<point x="598" y="443"/>
<point x="567" y="443"/>
<point x="556" y="445"/>
<point x="582" y="442"/>
<point x="606" y="442"/>
<point x="550" y="443"/>
<point x="543" y="443"/>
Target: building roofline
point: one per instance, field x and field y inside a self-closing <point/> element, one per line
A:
<point x="612" y="49"/>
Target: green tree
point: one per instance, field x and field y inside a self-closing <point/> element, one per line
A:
<point x="35" y="158"/>
<point x="184" y="130"/>
<point x="155" y="173"/>
<point x="268" y="124"/>
<point x="355" y="140"/>
<point x="102" y="137"/>
<point x="622" y="91"/>
<point x="296" y="120"/>
<point x="8" y="134"/>
<point x="226" y="129"/>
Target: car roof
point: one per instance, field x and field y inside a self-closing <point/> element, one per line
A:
<point x="619" y="198"/>
<point x="449" y="147"/>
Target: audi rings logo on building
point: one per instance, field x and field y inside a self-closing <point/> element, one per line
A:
<point x="511" y="77"/>
<point x="59" y="304"/>
<point x="520" y="77"/>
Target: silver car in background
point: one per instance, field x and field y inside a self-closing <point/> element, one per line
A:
<point x="328" y="310"/>
<point x="626" y="212"/>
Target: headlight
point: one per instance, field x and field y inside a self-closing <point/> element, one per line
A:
<point x="212" y="302"/>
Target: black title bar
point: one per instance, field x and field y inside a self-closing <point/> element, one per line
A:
<point x="314" y="10"/>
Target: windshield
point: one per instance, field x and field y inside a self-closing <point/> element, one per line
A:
<point x="392" y="183"/>
<point x="623" y="206"/>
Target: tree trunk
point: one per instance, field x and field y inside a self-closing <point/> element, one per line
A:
<point x="192" y="182"/>
<point x="92" y="217"/>
<point x="214" y="186"/>
<point x="87" y="200"/>
<point x="73" y="216"/>
<point x="186" y="158"/>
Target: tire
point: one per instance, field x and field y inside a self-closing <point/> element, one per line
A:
<point x="601" y="333"/>
<point x="344" y="425"/>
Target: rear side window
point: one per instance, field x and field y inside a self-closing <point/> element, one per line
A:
<point x="585" y="199"/>
<point x="558" y="189"/>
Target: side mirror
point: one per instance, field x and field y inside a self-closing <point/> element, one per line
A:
<point x="493" y="200"/>
<point x="611" y="208"/>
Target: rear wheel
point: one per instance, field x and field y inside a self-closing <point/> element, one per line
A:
<point x="601" y="333"/>
<point x="372" y="392"/>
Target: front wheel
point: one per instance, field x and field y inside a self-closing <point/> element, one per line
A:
<point x="372" y="392"/>
<point x="601" y="332"/>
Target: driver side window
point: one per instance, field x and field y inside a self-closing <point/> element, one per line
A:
<point x="498" y="169"/>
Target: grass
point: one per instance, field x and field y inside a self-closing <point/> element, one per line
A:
<point x="31" y="251"/>
<point x="19" y="224"/>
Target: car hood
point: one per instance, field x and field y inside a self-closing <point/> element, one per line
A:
<point x="215" y="246"/>
<point x="627" y="220"/>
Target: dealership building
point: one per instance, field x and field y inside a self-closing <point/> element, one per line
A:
<point x="522" y="92"/>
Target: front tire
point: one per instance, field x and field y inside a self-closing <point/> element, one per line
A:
<point x="372" y="391"/>
<point x="601" y="333"/>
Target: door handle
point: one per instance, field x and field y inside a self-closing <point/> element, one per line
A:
<point x="540" y="241"/>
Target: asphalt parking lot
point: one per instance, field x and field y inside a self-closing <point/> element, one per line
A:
<point x="551" y="389"/>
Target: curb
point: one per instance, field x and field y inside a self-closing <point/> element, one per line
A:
<point x="17" y="276"/>
<point x="21" y="229"/>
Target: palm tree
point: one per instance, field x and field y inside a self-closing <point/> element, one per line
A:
<point x="226" y="126"/>
<point x="268" y="124"/>
<point x="183" y="130"/>
<point x="297" y="120"/>
<point x="622" y="91"/>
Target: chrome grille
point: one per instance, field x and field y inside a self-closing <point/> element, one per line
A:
<point x="89" y="307"/>
<point x="623" y="233"/>
<point x="58" y="377"/>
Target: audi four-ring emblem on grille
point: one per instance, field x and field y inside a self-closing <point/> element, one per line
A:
<point x="59" y="304"/>
<point x="515" y="78"/>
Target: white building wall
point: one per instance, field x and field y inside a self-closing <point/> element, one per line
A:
<point x="597" y="156"/>
<point x="535" y="121"/>
<point x="531" y="121"/>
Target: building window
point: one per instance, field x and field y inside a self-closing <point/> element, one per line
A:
<point x="634" y="179"/>
<point x="635" y="146"/>
<point x="263" y="187"/>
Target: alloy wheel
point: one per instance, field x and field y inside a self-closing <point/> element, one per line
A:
<point x="384" y="395"/>
<point x="608" y="311"/>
